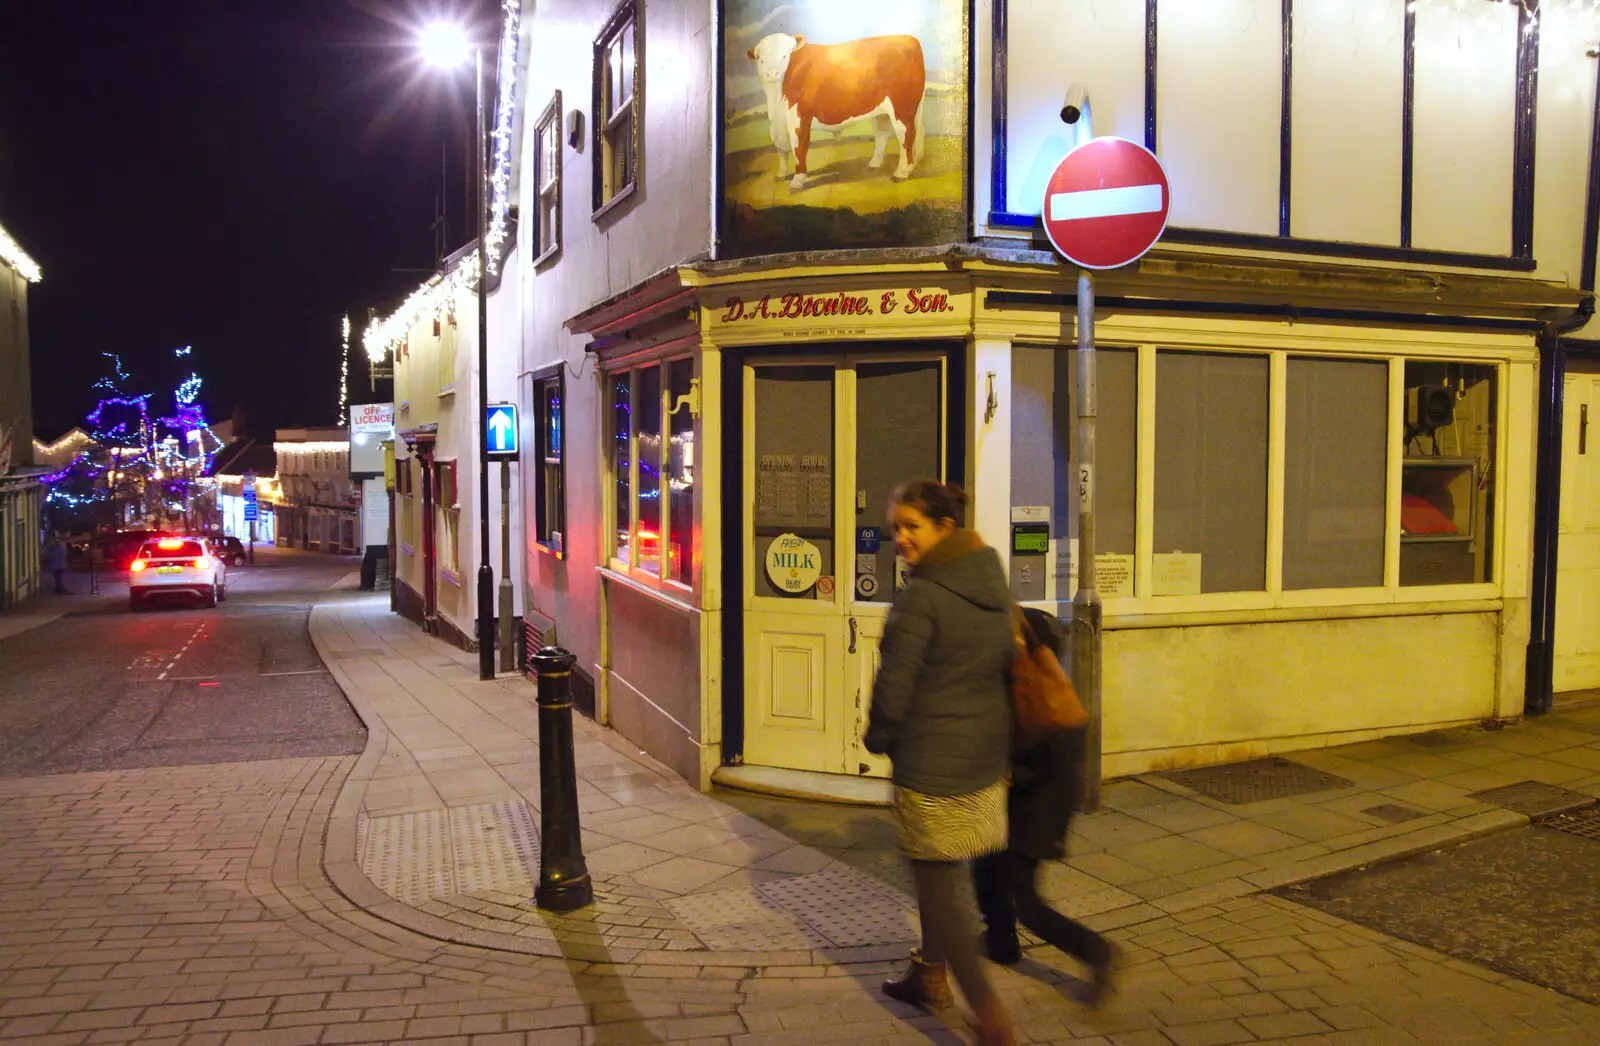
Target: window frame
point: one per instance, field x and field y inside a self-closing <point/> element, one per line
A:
<point x="541" y="531"/>
<point x="548" y="123"/>
<point x="448" y="520"/>
<point x="1510" y="366"/>
<point x="624" y="16"/>
<point x="628" y="566"/>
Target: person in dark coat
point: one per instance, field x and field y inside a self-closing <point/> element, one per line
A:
<point x="941" y="712"/>
<point x="55" y="561"/>
<point x="1044" y="792"/>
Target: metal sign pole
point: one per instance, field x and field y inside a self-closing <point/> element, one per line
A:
<point x="1086" y="610"/>
<point x="508" y="654"/>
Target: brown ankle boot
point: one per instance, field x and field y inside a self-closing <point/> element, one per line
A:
<point x="994" y="1027"/>
<point x="923" y="984"/>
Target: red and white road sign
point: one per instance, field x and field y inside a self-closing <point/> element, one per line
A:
<point x="1106" y="204"/>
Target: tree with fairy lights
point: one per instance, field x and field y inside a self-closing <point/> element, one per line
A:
<point x="146" y="469"/>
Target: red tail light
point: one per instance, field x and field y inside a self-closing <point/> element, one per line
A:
<point x="137" y="564"/>
<point x="203" y="563"/>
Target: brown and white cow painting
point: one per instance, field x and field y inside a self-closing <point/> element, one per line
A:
<point x="882" y="78"/>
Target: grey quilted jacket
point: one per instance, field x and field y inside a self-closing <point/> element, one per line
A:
<point x="941" y="704"/>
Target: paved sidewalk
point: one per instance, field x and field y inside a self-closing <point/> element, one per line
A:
<point x="436" y="828"/>
<point x="40" y="611"/>
<point x="226" y="904"/>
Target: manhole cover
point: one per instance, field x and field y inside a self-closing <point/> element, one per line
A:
<point x="1436" y="739"/>
<point x="1585" y="823"/>
<point x="1534" y="799"/>
<point x="1255" y="780"/>
<point x="1394" y="813"/>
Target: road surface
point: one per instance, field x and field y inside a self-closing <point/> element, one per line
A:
<point x="104" y="688"/>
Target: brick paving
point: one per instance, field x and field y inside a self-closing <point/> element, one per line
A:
<point x="190" y="905"/>
<point x="227" y="904"/>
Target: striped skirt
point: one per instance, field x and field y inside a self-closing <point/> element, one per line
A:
<point x="951" y="827"/>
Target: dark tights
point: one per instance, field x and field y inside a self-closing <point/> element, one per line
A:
<point x="1008" y="890"/>
<point x="946" y="935"/>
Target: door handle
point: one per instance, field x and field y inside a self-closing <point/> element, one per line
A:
<point x="1583" y="429"/>
<point x="852" y="635"/>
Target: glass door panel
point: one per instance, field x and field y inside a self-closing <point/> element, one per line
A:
<point x="899" y="437"/>
<point x="794" y="481"/>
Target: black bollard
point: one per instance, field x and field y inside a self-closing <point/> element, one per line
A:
<point x="563" y="877"/>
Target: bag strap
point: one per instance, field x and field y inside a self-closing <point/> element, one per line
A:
<point x="1021" y="631"/>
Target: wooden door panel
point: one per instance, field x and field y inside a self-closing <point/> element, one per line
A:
<point x="793" y="682"/>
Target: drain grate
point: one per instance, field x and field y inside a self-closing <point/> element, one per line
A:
<point x="1534" y="799"/>
<point x="1585" y="823"/>
<point x="1437" y="739"/>
<point x="1256" y="780"/>
<point x="1394" y="813"/>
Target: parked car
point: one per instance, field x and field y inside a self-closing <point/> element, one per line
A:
<point x="231" y="549"/>
<point x="177" y="566"/>
<point x="120" y="548"/>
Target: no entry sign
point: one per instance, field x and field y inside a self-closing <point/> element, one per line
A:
<point x="1106" y="204"/>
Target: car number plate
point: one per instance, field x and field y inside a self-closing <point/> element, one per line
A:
<point x="169" y="570"/>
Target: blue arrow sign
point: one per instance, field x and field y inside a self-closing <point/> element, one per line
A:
<point x="500" y="429"/>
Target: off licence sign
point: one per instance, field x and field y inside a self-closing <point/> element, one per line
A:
<point x="1107" y="203"/>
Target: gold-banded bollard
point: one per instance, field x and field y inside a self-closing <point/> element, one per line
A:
<point x="563" y="877"/>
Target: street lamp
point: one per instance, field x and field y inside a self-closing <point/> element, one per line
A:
<point x="445" y="45"/>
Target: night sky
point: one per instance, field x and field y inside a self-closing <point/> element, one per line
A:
<point x="231" y="175"/>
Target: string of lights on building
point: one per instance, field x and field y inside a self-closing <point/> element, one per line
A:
<point x="344" y="372"/>
<point x="12" y="254"/>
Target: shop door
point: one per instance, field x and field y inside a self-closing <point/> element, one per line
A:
<point x="1577" y="653"/>
<point x="826" y="440"/>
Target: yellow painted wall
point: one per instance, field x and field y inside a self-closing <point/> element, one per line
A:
<point x="1208" y="694"/>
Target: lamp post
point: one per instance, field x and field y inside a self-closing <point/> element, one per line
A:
<point x="446" y="46"/>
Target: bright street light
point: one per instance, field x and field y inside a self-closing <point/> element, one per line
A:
<point x="445" y="45"/>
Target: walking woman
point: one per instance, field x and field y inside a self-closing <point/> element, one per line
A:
<point x="941" y="711"/>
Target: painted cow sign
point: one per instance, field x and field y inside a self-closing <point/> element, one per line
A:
<point x="882" y="78"/>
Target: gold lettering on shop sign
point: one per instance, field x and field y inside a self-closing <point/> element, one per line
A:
<point x="770" y="309"/>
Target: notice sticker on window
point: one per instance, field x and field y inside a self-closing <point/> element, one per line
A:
<point x="1113" y="576"/>
<point x="1176" y="574"/>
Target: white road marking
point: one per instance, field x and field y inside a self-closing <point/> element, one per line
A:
<point x="1105" y="203"/>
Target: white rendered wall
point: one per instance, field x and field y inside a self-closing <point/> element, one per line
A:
<point x="1465" y="115"/>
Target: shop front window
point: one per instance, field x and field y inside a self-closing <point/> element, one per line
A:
<point x="653" y="459"/>
<point x="1043" y="468"/>
<point x="622" y="461"/>
<point x="1447" y="473"/>
<point x="1335" y="472"/>
<point x="647" y="422"/>
<point x="1211" y="422"/>
<point x="680" y="473"/>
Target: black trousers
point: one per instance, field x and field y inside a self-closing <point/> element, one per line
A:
<point x="1007" y="885"/>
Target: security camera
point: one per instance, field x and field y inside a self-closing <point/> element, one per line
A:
<point x="1076" y="102"/>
